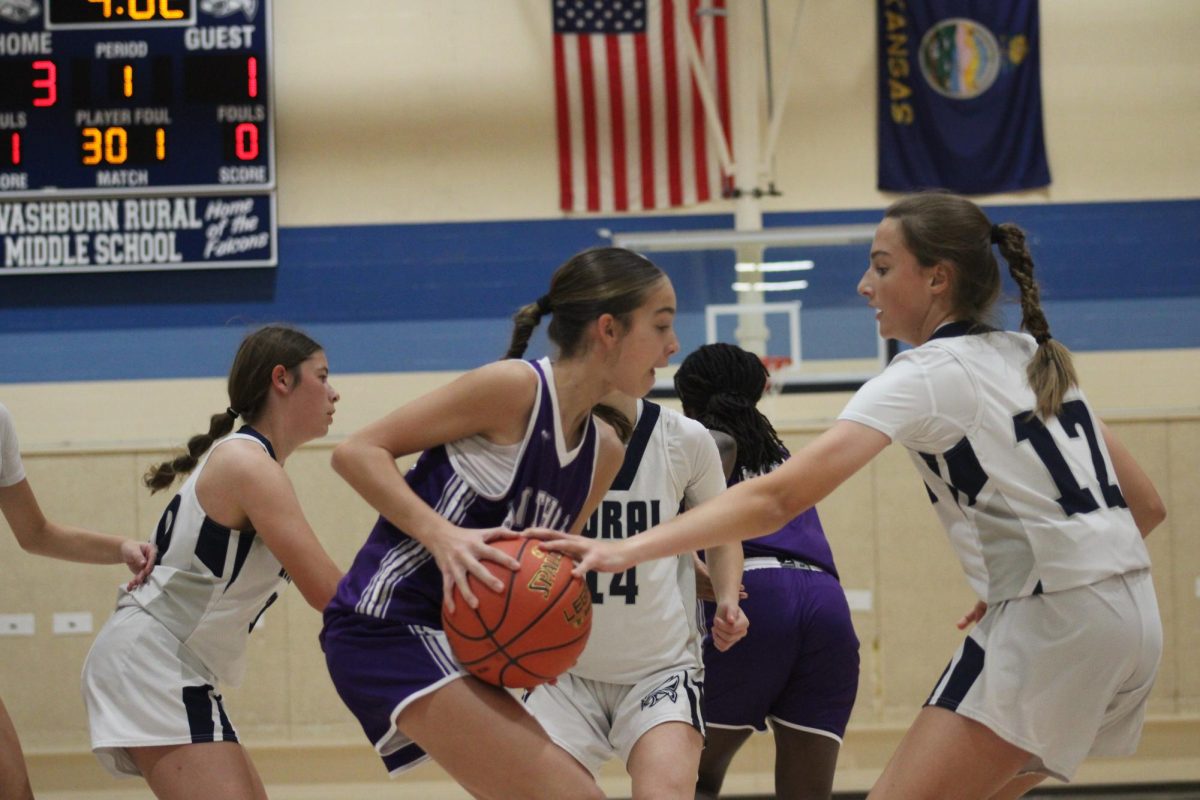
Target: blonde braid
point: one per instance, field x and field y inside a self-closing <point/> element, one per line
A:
<point x="1051" y="372"/>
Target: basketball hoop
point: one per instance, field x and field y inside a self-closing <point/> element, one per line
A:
<point x="775" y="366"/>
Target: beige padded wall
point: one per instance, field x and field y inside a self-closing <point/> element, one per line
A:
<point x="885" y="537"/>
<point x="1182" y="457"/>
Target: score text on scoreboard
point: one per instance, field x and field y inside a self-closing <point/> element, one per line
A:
<point x="102" y="97"/>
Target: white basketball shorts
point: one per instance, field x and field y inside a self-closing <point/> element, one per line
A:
<point x="1063" y="675"/>
<point x="576" y="712"/>
<point x="142" y="688"/>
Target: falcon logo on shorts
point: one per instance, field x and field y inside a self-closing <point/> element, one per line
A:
<point x="667" y="689"/>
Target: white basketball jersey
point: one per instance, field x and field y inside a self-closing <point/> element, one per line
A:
<point x="211" y="583"/>
<point x="644" y="619"/>
<point x="11" y="470"/>
<point x="1030" y="505"/>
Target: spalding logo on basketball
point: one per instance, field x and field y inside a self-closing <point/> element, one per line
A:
<point x="530" y="632"/>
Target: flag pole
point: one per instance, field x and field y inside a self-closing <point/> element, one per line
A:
<point x="776" y="112"/>
<point x="745" y="44"/>
<point x="712" y="115"/>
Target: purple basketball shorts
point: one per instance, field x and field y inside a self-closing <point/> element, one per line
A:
<point x="379" y="667"/>
<point x="798" y="666"/>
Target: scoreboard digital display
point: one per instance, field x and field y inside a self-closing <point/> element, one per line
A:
<point x="109" y="99"/>
<point x="143" y="95"/>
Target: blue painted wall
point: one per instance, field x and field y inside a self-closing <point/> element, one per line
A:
<point x="393" y="298"/>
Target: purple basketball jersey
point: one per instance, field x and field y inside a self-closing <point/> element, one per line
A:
<point x="802" y="538"/>
<point x="395" y="578"/>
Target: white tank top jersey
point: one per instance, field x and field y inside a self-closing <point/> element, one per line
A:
<point x="211" y="583"/>
<point x="12" y="471"/>
<point x="1030" y="505"/>
<point x="644" y="619"/>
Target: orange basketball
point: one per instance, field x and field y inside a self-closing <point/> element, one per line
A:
<point x="530" y="632"/>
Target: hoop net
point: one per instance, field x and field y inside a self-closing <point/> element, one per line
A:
<point x="775" y="366"/>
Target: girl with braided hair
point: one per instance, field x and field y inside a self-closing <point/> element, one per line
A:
<point x="228" y="542"/>
<point x="798" y="665"/>
<point x="510" y="445"/>
<point x="1044" y="506"/>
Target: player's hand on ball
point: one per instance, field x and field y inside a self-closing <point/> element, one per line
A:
<point x="459" y="552"/>
<point x="588" y="554"/>
<point x="730" y="626"/>
<point x="531" y="631"/>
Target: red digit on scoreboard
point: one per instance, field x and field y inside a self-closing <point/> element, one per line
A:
<point x="16" y="148"/>
<point x="245" y="141"/>
<point x="252" y="76"/>
<point x="49" y="83"/>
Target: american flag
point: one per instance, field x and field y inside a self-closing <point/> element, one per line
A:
<point x="631" y="128"/>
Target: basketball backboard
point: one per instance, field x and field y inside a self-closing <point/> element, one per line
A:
<point x="798" y="302"/>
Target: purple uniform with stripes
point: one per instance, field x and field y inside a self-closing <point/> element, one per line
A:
<point x="798" y="666"/>
<point x="383" y="637"/>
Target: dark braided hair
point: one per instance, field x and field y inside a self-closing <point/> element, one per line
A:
<point x="720" y="386"/>
<point x="946" y="228"/>
<point x="249" y="383"/>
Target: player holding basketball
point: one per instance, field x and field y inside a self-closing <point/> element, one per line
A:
<point x="636" y="691"/>
<point x="229" y="542"/>
<point x="798" y="667"/>
<point x="1043" y="504"/>
<point x="506" y="446"/>
<point x="42" y="536"/>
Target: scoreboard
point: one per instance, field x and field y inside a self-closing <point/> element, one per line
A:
<point x="134" y="94"/>
<point x="135" y="119"/>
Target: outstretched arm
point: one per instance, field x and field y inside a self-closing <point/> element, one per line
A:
<point x="750" y="509"/>
<point x="44" y="537"/>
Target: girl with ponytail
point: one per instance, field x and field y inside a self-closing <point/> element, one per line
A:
<point x="507" y="446"/>
<point x="228" y="542"/>
<point x="1044" y="506"/>
<point x="798" y="665"/>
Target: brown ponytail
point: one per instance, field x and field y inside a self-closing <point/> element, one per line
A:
<point x="164" y="474"/>
<point x="617" y="420"/>
<point x="524" y="322"/>
<point x="249" y="386"/>
<point x="1051" y="372"/>
<point x="603" y="280"/>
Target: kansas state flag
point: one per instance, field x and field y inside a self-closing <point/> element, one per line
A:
<point x="960" y="98"/>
